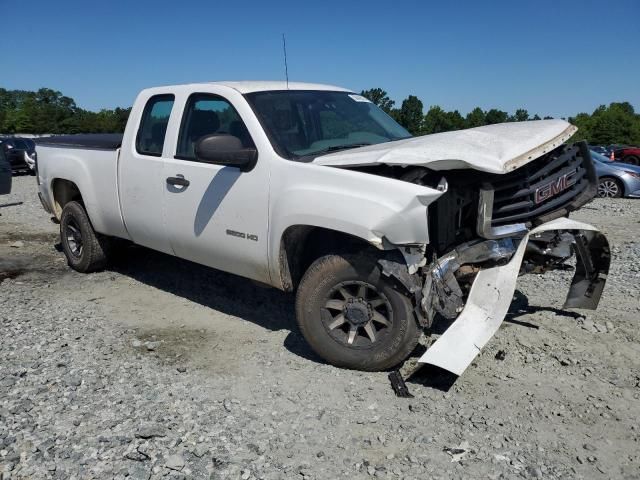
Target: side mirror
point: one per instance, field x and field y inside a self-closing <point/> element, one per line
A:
<point x="224" y="149"/>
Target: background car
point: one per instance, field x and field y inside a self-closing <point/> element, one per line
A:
<point x="5" y="174"/>
<point x="616" y="179"/>
<point x="600" y="149"/>
<point x="628" y="155"/>
<point x="21" y="153"/>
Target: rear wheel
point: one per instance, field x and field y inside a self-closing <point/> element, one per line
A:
<point x="632" y="159"/>
<point x="609" y="187"/>
<point x="86" y="250"/>
<point x="353" y="316"/>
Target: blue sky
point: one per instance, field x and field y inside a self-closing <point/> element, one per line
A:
<point x="551" y="57"/>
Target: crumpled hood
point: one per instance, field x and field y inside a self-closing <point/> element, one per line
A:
<point x="498" y="148"/>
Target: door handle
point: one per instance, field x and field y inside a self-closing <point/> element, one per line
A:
<point x="179" y="181"/>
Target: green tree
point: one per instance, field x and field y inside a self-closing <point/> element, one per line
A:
<point x="583" y="122"/>
<point x="48" y="111"/>
<point x="437" y="120"/>
<point x="379" y="97"/>
<point x="521" y="115"/>
<point x="616" y="123"/>
<point x="496" y="116"/>
<point x="475" y="118"/>
<point x="410" y="115"/>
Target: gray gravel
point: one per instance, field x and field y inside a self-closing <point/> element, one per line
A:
<point x="161" y="368"/>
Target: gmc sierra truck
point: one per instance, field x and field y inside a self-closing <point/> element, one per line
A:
<point x="313" y="189"/>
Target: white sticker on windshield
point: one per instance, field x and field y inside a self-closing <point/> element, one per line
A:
<point x="359" y="98"/>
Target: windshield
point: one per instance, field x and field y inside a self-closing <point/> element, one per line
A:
<point x="303" y="124"/>
<point x="600" y="158"/>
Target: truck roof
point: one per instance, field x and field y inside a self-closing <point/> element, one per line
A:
<point x="263" y="86"/>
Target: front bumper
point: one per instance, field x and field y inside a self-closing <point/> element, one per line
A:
<point x="493" y="288"/>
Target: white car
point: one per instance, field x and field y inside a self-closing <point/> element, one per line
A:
<point x="313" y="189"/>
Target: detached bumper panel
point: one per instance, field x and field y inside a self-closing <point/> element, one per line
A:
<point x="492" y="292"/>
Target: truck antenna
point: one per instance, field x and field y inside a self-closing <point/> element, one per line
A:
<point x="286" y="69"/>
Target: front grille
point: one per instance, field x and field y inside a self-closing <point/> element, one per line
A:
<point x="546" y="188"/>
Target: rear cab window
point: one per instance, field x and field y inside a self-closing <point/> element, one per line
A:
<point x="153" y="126"/>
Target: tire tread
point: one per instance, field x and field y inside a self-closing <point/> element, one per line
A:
<point x="325" y="266"/>
<point x="96" y="246"/>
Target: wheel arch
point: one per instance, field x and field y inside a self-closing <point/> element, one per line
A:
<point x="301" y="245"/>
<point x="64" y="191"/>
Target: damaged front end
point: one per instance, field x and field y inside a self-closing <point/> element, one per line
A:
<point x="475" y="283"/>
<point x="486" y="233"/>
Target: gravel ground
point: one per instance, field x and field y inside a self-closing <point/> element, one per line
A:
<point x="161" y="368"/>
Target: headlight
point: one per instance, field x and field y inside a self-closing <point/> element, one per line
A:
<point x="633" y="174"/>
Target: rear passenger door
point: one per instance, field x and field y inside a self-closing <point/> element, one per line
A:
<point x="216" y="215"/>
<point x="140" y="176"/>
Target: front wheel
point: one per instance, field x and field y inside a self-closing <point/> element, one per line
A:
<point x="609" y="187"/>
<point x="632" y="159"/>
<point x="353" y="316"/>
<point x="86" y="250"/>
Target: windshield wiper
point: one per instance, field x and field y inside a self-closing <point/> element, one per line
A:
<point x="337" y="148"/>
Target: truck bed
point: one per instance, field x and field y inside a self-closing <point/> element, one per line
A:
<point x="92" y="141"/>
<point x="89" y="163"/>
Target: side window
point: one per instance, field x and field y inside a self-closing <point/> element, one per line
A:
<point x="153" y="126"/>
<point x="205" y="114"/>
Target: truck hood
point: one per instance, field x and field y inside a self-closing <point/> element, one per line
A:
<point x="498" y="148"/>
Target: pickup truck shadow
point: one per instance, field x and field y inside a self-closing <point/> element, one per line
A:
<point x="269" y="308"/>
<point x="520" y="306"/>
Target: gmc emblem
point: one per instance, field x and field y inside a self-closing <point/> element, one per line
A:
<point x="554" y="187"/>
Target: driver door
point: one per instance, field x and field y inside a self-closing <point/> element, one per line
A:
<point x="216" y="215"/>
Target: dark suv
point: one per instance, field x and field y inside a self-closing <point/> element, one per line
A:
<point x="5" y="174"/>
<point x="21" y="153"/>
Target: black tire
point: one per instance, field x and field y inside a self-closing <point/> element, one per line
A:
<point x="632" y="159"/>
<point x="609" y="187"/>
<point x="324" y="282"/>
<point x="86" y="250"/>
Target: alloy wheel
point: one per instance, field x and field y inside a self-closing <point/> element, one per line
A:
<point x="74" y="237"/>
<point x="608" y="189"/>
<point x="358" y="315"/>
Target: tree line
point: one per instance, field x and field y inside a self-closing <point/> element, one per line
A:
<point x="48" y="111"/>
<point x="616" y="123"/>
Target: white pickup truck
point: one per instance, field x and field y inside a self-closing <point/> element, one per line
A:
<point x="312" y="189"/>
